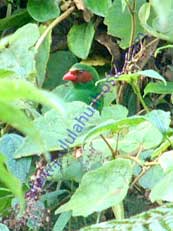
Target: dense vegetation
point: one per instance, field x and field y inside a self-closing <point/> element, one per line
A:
<point x="117" y="172"/>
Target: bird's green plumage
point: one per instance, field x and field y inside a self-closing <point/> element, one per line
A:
<point x="85" y="91"/>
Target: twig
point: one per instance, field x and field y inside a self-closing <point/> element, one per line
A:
<point x="132" y="11"/>
<point x="129" y="7"/>
<point x="132" y="158"/>
<point x="133" y="20"/>
<point x="109" y="146"/>
<point x="52" y="25"/>
<point x="139" y="176"/>
<point x="116" y="148"/>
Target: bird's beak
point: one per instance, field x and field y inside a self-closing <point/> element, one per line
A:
<point x="70" y="76"/>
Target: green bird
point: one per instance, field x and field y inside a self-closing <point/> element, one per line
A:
<point x="83" y="78"/>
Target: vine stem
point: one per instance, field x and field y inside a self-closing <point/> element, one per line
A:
<point x="138" y="93"/>
<point x="52" y="25"/>
<point x="118" y="211"/>
<point x="132" y="11"/>
<point x="133" y="19"/>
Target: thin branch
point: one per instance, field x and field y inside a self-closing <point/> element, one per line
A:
<point x="136" y="160"/>
<point x="133" y="24"/>
<point x="144" y="170"/>
<point x="52" y="25"/>
<point x="116" y="148"/>
<point x="129" y="7"/>
<point x="109" y="146"/>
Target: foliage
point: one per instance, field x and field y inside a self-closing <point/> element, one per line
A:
<point x="120" y="162"/>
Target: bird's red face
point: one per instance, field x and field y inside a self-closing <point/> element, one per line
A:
<point x="78" y="76"/>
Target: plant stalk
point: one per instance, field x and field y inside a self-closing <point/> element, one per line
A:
<point x="118" y="211"/>
<point x="138" y="93"/>
<point x="52" y="25"/>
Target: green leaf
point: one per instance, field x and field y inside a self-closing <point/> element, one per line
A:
<point x="11" y="182"/>
<point x="7" y="74"/>
<point x="10" y="114"/>
<point x="118" y="21"/>
<point x="114" y="126"/>
<point x="146" y="73"/>
<point x="80" y="39"/>
<point x="42" y="57"/>
<point x="166" y="161"/>
<point x="17" y="52"/>
<point x="157" y="219"/>
<point x="8" y="145"/>
<point x="15" y="89"/>
<point x="115" y="112"/>
<point x="161" y="119"/>
<point x="140" y="136"/>
<point x="3" y="227"/>
<point x="62" y="221"/>
<point x="53" y="127"/>
<point x="96" y="152"/>
<point x="110" y="96"/>
<point x="5" y="200"/>
<point x="151" y="177"/>
<point x="152" y="74"/>
<point x="59" y="63"/>
<point x="100" y="189"/>
<point x="159" y="88"/>
<point x="163" y="190"/>
<point x="98" y="9"/>
<point x="133" y="77"/>
<point x="18" y="19"/>
<point x="43" y="10"/>
<point x="160" y="14"/>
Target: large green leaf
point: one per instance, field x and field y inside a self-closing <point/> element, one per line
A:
<point x="100" y="189"/>
<point x="152" y="74"/>
<point x="5" y="199"/>
<point x="10" y="114"/>
<point x="3" y="227"/>
<point x="17" y="52"/>
<point x="114" y="126"/>
<point x="43" y="10"/>
<point x="59" y="63"/>
<point x="163" y="190"/>
<point x="118" y="21"/>
<point x="140" y="136"/>
<point x="11" y="182"/>
<point x="7" y="74"/>
<point x="62" y="221"/>
<point x="18" y="19"/>
<point x="166" y="161"/>
<point x="80" y="39"/>
<point x="161" y="119"/>
<point x="129" y="78"/>
<point x="133" y="77"/>
<point x="8" y="145"/>
<point x="15" y="89"/>
<point x="98" y="9"/>
<point x="159" y="88"/>
<point x="151" y="177"/>
<point x="115" y="112"/>
<point x="157" y="219"/>
<point x="160" y="13"/>
<point x="53" y="129"/>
